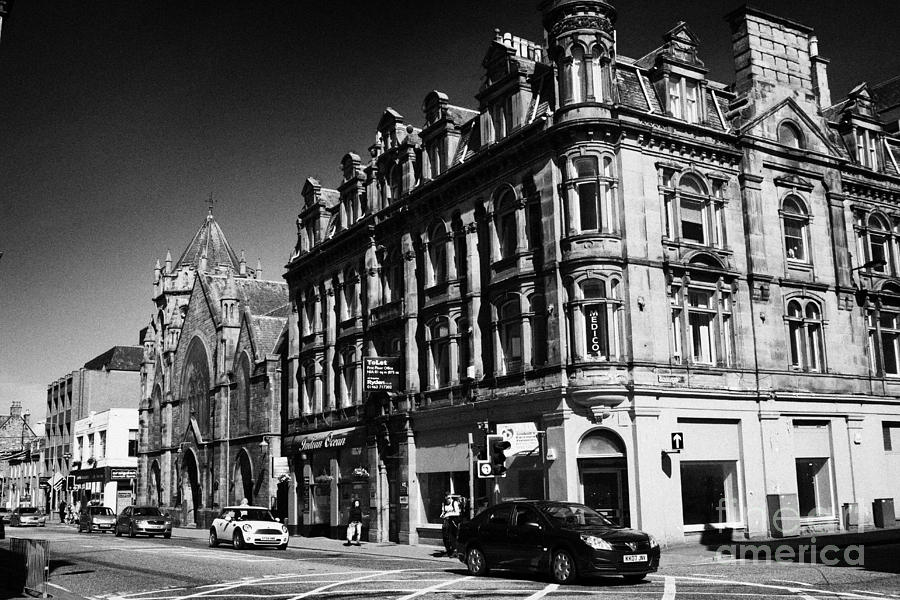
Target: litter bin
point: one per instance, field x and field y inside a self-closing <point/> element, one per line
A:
<point x="883" y="512"/>
<point x="784" y="515"/>
<point x="850" y="515"/>
<point x="35" y="555"/>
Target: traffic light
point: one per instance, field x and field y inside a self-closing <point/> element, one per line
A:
<point x="496" y="448"/>
<point x="70" y="483"/>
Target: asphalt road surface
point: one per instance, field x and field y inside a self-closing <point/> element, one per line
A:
<point x="101" y="566"/>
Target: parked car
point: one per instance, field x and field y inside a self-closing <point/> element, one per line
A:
<point x="564" y="539"/>
<point x="23" y="516"/>
<point x="4" y="515"/>
<point x="144" y="520"/>
<point x="246" y="526"/>
<point x="99" y="518"/>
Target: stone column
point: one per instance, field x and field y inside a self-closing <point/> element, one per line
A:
<point x="410" y="313"/>
<point x="473" y="285"/>
<point x="330" y="324"/>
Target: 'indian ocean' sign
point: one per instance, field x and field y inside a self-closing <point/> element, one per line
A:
<point x="522" y="437"/>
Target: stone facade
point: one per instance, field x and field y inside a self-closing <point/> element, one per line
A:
<point x="210" y="383"/>
<point x="616" y="257"/>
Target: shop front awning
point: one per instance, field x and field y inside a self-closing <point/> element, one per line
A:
<point x="320" y="440"/>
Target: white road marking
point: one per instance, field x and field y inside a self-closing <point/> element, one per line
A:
<point x="668" y="589"/>
<point x="779" y="587"/>
<point x="59" y="587"/>
<point x="790" y="581"/>
<point x="541" y="593"/>
<point x="331" y="585"/>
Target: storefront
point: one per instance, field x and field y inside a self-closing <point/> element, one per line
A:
<point x="107" y="486"/>
<point x="331" y="470"/>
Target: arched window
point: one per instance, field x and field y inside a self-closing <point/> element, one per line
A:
<point x="439" y="350"/>
<point x="505" y="221"/>
<point x="310" y="311"/>
<point x="804" y="319"/>
<point x="347" y="376"/>
<point x="242" y="389"/>
<point x="308" y="386"/>
<point x="195" y="384"/>
<point x="884" y="333"/>
<point x="880" y="244"/>
<point x="789" y="135"/>
<point x="592" y="189"/>
<point x="509" y="330"/>
<point x="351" y="295"/>
<point x="437" y="253"/>
<point x="693" y="214"/>
<point x="796" y="229"/>
<point x="600" y="75"/>
<point x="396" y="181"/>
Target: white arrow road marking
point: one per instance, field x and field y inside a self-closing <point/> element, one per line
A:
<point x="669" y="589"/>
<point x="354" y="580"/>
<point x="541" y="593"/>
<point x="432" y="588"/>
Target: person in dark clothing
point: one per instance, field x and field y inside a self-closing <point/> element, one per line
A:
<point x="62" y="511"/>
<point x="354" y="527"/>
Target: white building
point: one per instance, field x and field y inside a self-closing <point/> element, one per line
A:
<point x="104" y="458"/>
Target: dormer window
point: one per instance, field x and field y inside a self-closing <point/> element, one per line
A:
<point x="867" y="148"/>
<point x="684" y="99"/>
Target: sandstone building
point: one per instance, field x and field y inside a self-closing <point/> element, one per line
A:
<point x="210" y="399"/>
<point x="608" y="253"/>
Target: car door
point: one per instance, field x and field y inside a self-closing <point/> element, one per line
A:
<point x="123" y="519"/>
<point x="526" y="537"/>
<point x="493" y="536"/>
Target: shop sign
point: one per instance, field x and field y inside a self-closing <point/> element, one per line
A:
<point x="336" y="438"/>
<point x="125" y="474"/>
<point x="381" y="373"/>
<point x="592" y="321"/>
<point x="280" y="467"/>
<point x="89" y="475"/>
<point x="522" y="437"/>
<point x="44" y="483"/>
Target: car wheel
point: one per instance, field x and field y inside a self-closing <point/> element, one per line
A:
<point x="635" y="578"/>
<point x="90" y="528"/>
<point x="476" y="562"/>
<point x="79" y="528"/>
<point x="562" y="567"/>
<point x="117" y="532"/>
<point x="283" y="546"/>
<point x="213" y="538"/>
<point x="167" y="535"/>
<point x="131" y="532"/>
<point x="237" y="541"/>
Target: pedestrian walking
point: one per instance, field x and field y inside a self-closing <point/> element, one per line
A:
<point x="354" y="525"/>
<point x="62" y="511"/>
<point x="450" y="513"/>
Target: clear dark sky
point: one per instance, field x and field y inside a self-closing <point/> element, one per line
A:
<point x="118" y="119"/>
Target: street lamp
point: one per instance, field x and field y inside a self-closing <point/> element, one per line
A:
<point x="876" y="263"/>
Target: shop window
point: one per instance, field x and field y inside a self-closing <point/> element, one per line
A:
<point x="789" y="135"/>
<point x="804" y="320"/>
<point x="435" y="486"/>
<point x="710" y="493"/>
<point x="506" y="224"/>
<point x="701" y="324"/>
<point x="795" y="220"/>
<point x="814" y="487"/>
<point x="592" y="205"/>
<point x="684" y="99"/>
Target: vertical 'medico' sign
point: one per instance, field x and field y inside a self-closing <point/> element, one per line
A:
<point x="592" y="318"/>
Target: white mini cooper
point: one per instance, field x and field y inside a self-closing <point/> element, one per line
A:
<point x="248" y="526"/>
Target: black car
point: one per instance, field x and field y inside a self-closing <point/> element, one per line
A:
<point x="564" y="539"/>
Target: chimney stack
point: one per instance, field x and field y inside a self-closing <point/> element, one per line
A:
<point x="819" y="73"/>
<point x="15" y="409"/>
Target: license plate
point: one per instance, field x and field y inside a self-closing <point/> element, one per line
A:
<point x="634" y="558"/>
<point x="269" y="538"/>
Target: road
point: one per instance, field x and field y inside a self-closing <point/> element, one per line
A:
<point x="104" y="567"/>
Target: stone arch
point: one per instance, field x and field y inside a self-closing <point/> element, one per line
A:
<point x="190" y="489"/>
<point x="195" y="383"/>
<point x="242" y="478"/>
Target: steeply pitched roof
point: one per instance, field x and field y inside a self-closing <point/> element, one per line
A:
<point x="209" y="239"/>
<point x="118" y="358"/>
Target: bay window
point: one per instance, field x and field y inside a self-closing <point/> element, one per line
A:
<point x="591" y="194"/>
<point x="597" y="319"/>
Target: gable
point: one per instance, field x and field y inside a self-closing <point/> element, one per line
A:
<point x="766" y="126"/>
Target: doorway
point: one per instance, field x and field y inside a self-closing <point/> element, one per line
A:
<point x="603" y="475"/>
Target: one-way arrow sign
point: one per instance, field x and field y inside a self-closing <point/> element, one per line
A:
<point x="677" y="441"/>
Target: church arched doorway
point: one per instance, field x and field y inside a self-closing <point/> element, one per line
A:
<point x="154" y="491"/>
<point x="242" y="482"/>
<point x="603" y="474"/>
<point x="190" y="489"/>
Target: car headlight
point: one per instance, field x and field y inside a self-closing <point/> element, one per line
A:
<point x="283" y="529"/>
<point x="247" y="527"/>
<point x="653" y="542"/>
<point x="597" y="543"/>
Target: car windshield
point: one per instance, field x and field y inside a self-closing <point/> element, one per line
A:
<point x="100" y="510"/>
<point x="574" y="515"/>
<point x="28" y="510"/>
<point x="252" y="514"/>
<point x="146" y="511"/>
